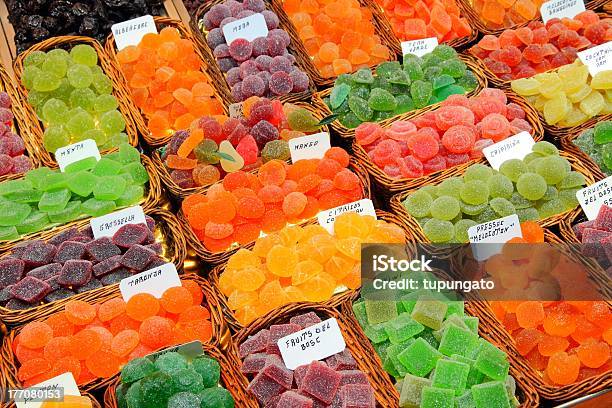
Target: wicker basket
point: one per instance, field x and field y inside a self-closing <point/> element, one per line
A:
<point x="301" y="59"/>
<point x="384" y="391"/>
<point x="174" y="250"/>
<point x="216" y="258"/>
<point x="209" y="70"/>
<point x="392" y="185"/>
<point x="318" y="100"/>
<point x="152" y="199"/>
<point x="109" y="69"/>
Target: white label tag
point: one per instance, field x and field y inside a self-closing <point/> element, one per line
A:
<point x="77" y="151"/>
<point x="130" y="32"/>
<point x="154" y="281"/>
<point x="235" y="110"/>
<point x="560" y="9"/>
<point x="53" y="388"/>
<point x="316" y="342"/>
<point x="107" y="225"/>
<point x="419" y="47"/>
<point x="328" y="217"/>
<point x="598" y="58"/>
<point x="249" y="28"/>
<point x="591" y="198"/>
<point x="515" y="147"/>
<point x="494" y="234"/>
<point x="309" y="146"/>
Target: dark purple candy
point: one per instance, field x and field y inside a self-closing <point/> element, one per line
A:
<point x="46" y="271"/>
<point x="281" y="34"/>
<point x="156" y="263"/>
<point x="237" y="92"/>
<point x="233" y="76"/>
<point x="177" y="140"/>
<point x="227" y="20"/>
<point x="91" y="285"/>
<point x="321" y="382"/>
<point x="75" y="273"/>
<point x="87" y="231"/>
<point x="215" y="38"/>
<point x="255" y="344"/>
<point x="276" y="370"/>
<point x="305" y="320"/>
<point x="357" y="395"/>
<point x="353" y="377"/>
<point x="604" y="219"/>
<point x="217" y="13"/>
<point x="115" y="277"/>
<point x="221" y="51"/>
<point x="244" y="14"/>
<point x="277" y="332"/>
<point x="5" y="294"/>
<point x="16" y="304"/>
<point x="300" y="81"/>
<point x="30" y="290"/>
<point x="107" y="266"/>
<point x="82" y="238"/>
<point x="137" y="257"/>
<point x="276" y="45"/>
<point x="248" y="68"/>
<point x="156" y="247"/>
<point x="6" y="164"/>
<point x="255" y="5"/>
<point x="264" y="388"/>
<point x="16" y="144"/>
<point x="241" y="49"/>
<point x="234" y="6"/>
<point x="5" y="100"/>
<point x="38" y="253"/>
<point x="260" y="46"/>
<point x="254" y="363"/>
<point x="59" y="294"/>
<point x="225" y="64"/>
<point x="271" y="19"/>
<point x="19" y="249"/>
<point x="53" y="283"/>
<point x="253" y="85"/>
<point x="342" y="361"/>
<point x="11" y="271"/>
<point x="298" y="374"/>
<point x="263" y="62"/>
<point x="280" y="63"/>
<point x="264" y="132"/>
<point x="22" y="164"/>
<point x="280" y="83"/>
<point x="101" y="249"/>
<point x="5" y="115"/>
<point x="150" y="223"/>
<point x="130" y="234"/>
<point x="69" y="250"/>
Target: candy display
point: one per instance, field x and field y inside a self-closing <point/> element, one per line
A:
<point x="569" y="95"/>
<point x="443" y="138"/>
<point x="336" y="380"/>
<point x="498" y="14"/>
<point x="199" y="156"/>
<point x="399" y="88"/>
<point x="95" y="340"/>
<point x="12" y="149"/>
<point x="301" y="264"/>
<point x="38" y="271"/>
<point x="537" y="187"/>
<point x="339" y="36"/>
<point x="538" y="47"/>
<point x="164" y="75"/>
<point x="172" y="380"/>
<point x="595" y="231"/>
<point x="46" y="196"/>
<point x="597" y="144"/>
<point x="262" y="67"/>
<point x="425" y="19"/>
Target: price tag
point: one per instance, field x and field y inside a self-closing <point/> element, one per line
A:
<point x="130" y="32"/>
<point x="515" y="147"/>
<point x="107" y="225"/>
<point x="419" y="47"/>
<point x="591" y="198"/>
<point x="316" y="342"/>
<point x="77" y="151"/>
<point x="598" y="58"/>
<point x="328" y="217"/>
<point x="53" y="389"/>
<point x="154" y="281"/>
<point x="249" y="28"/>
<point x="560" y="9"/>
<point x="309" y="146"/>
<point x="493" y="235"/>
<point x="235" y="110"/>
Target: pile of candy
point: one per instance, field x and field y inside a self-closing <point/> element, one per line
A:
<point x="72" y="262"/>
<point x="433" y="350"/>
<point x="423" y="19"/>
<point x="12" y="148"/>
<point x="172" y="380"/>
<point x="199" y="156"/>
<point x="246" y="204"/>
<point x="597" y="144"/>
<point x="338" y="35"/>
<point x="538" y="47"/>
<point x="539" y="186"/>
<point x="73" y="98"/>
<point x="597" y="231"/>
<point x="301" y="264"/>
<point x="87" y="187"/>
<point x="262" y="67"/>
<point x="498" y="14"/>
<point x="94" y="340"/>
<point x="396" y="88"/>
<point x="336" y="380"/>
<point x="569" y="95"/>
<point x="446" y="137"/>
<point x="163" y="73"/>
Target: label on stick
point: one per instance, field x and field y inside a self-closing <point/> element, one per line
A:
<point x="560" y="9"/>
<point x="309" y="146"/>
<point x="419" y="47"/>
<point x="515" y="147"/>
<point x="591" y="198"/>
<point x="494" y="234"/>
<point x="53" y="389"/>
<point x="130" y="32"/>
<point x="328" y="217"/>
<point x="77" y="151"/>
<point x="107" y="225"/>
<point x="154" y="281"/>
<point x="249" y="28"/>
<point x="598" y="58"/>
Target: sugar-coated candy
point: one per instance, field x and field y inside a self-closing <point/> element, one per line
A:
<point x="12" y="148"/>
<point x="498" y="14"/>
<point x="596" y="143"/>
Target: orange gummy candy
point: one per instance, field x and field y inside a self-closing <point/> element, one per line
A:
<point x="142" y="306"/>
<point x="35" y="335"/>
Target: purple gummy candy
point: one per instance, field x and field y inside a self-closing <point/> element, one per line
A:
<point x="241" y="49"/>
<point x="282" y="35"/>
<point x="155" y="263"/>
<point x="215" y="38"/>
<point x="75" y="273"/>
<point x="19" y="249"/>
<point x="11" y="271"/>
<point x="277" y="332"/>
<point x="264" y="388"/>
<point x="579" y="228"/>
<point x="260" y="47"/>
<point x="16" y="143"/>
<point x="21" y="164"/>
<point x="342" y="361"/>
<point x="244" y="13"/>
<point x="263" y="62"/>
<point x="281" y="83"/>
<point x="38" y="253"/>
<point x="69" y="250"/>
<point x="300" y="81"/>
<point x="237" y="92"/>
<point x="115" y="277"/>
<point x="53" y="283"/>
<point x="5" y="294"/>
<point x="5" y="100"/>
<point x="225" y="64"/>
<point x="276" y="45"/>
<point x="276" y="370"/>
<point x="91" y="285"/>
<point x="130" y="234"/>
<point x="255" y="344"/>
<point x="5" y="115"/>
<point x="353" y="377"/>
<point x="217" y="13"/>
<point x="137" y="257"/>
<point x="221" y="51"/>
<point x="150" y="238"/>
<point x="81" y="238"/>
<point x="227" y="20"/>
<point x="606" y="245"/>
<point x="59" y="294"/>
<point x="102" y="248"/>
<point x="294" y="400"/>
<point x="253" y="85"/>
<point x="254" y="363"/>
<point x="357" y="396"/>
<point x="271" y="19"/>
<point x="173" y="145"/>
<point x="233" y="76"/>
<point x="299" y="373"/>
<point x="279" y="64"/>
<point x="30" y="290"/>
<point x="150" y="223"/>
<point x="6" y="164"/>
<point x="305" y="320"/>
<point x="156" y="247"/>
<point x="234" y="6"/>
<point x="254" y="5"/>
<point x="604" y="219"/>
<point x="46" y="271"/>
<point x="248" y="68"/>
<point x="591" y="238"/>
<point x="264" y="132"/>
<point x="272" y="402"/>
<point x="321" y="382"/>
<point x="107" y="266"/>
<point x="16" y="304"/>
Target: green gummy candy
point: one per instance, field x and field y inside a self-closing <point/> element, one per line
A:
<point x="187" y="380"/>
<point x="453" y="67"/>
<point x="429" y="313"/>
<point x="381" y="100"/>
<point x="451" y="375"/>
<point x="432" y="397"/>
<point x="71" y="212"/>
<point x="216" y="397"/>
<point x="490" y="394"/>
<point x="409" y="300"/>
<point x="438" y="231"/>
<point x="138" y="172"/>
<point x="170" y="362"/>
<point x="472" y="323"/>
<point x="455" y="307"/>
<point x="34" y="222"/>
<point x="418" y="204"/>
<point x="156" y="389"/>
<point x="95" y="208"/>
<point x="54" y="200"/>
<point x="393" y="352"/>
<point x="410" y="393"/>
<point x="120" y="391"/>
<point x="421" y="93"/>
<point x="419" y="358"/>
<point x="442" y="80"/>
<point x="338" y="95"/>
<point x="24" y="196"/>
<point x="82" y="183"/>
<point x="208" y="368"/>
<point x="376" y="333"/>
<point x="603" y="132"/>
<point x="87" y="163"/>
<point x="465" y="401"/>
<point x="132" y="195"/>
<point x="402" y="328"/>
<point x="528" y="214"/>
<point x="183" y="400"/>
<point x="491" y="361"/>
<point x="545" y="149"/>
<point x="444" y="52"/>
<point x="474" y="376"/>
<point x="363" y="76"/>
<point x="13" y="186"/>
<point x="360" y="313"/>
<point x="404" y="104"/>
<point x="457" y="340"/>
<point x="449" y="90"/>
<point x="127" y="154"/>
<point x="8" y="233"/>
<point x="302" y="120"/>
<point x="13" y="214"/>
<point x="34" y="178"/>
<point x="349" y="120"/>
<point x="571" y="180"/>
<point x="386" y="69"/>
<point x="54" y="181"/>
<point x="360" y="108"/>
<point x="380" y="311"/>
<point x="413" y="69"/>
<point x="133" y="396"/>
<point x="109" y="187"/>
<point x="136" y="369"/>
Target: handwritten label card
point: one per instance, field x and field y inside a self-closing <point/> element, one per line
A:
<point x="249" y="28"/>
<point x="154" y="281"/>
<point x="52" y="389"/>
<point x="515" y="147"/>
<point x="493" y="235"/>
<point x="598" y="58"/>
<point x="419" y="47"/>
<point x="130" y="32"/>
<point x="328" y="217"/>
<point x="235" y="110"/>
<point x="561" y="8"/>
<point x="107" y="225"/>
<point x="309" y="146"/>
<point x="316" y="342"/>
<point x="77" y="151"/>
<point x="591" y="198"/>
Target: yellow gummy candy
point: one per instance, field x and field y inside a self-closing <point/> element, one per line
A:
<point x="592" y="104"/>
<point x="574" y="77"/>
<point x="579" y="94"/>
<point x="230" y="165"/>
<point x="574" y="118"/>
<point x="526" y="86"/>
<point x="243" y="258"/>
<point x="556" y="109"/>
<point x="281" y="261"/>
<point x="318" y="288"/>
<point x="305" y="270"/>
<point x="249" y="278"/>
<point x="352" y="225"/>
<point x="602" y="80"/>
<point x="550" y="84"/>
